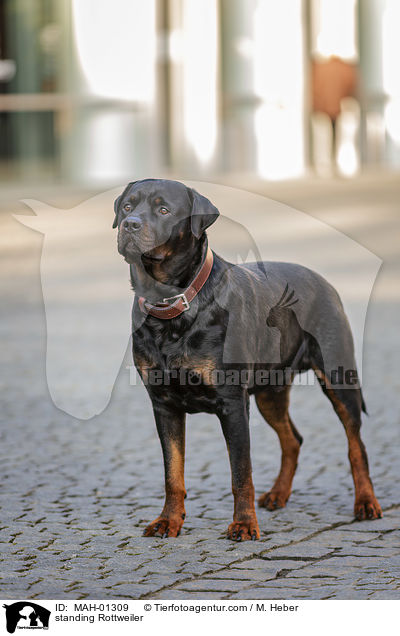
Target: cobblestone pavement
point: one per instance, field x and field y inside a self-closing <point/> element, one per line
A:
<point x="75" y="496"/>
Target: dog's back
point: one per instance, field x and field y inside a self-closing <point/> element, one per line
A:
<point x="275" y="298"/>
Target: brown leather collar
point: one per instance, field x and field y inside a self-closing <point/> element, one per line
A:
<point x="166" y="310"/>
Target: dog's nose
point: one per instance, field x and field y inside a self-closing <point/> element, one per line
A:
<point x="133" y="223"/>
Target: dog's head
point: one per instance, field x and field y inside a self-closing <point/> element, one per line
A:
<point x="157" y="217"/>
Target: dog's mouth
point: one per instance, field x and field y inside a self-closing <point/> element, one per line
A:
<point x="151" y="259"/>
<point x="128" y="244"/>
<point x="153" y="256"/>
<point x="132" y="248"/>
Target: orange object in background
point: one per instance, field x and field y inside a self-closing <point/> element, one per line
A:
<point x="332" y="80"/>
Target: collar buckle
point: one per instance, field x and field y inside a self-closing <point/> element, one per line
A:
<point x="185" y="301"/>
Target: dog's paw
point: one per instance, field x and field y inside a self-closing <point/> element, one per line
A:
<point x="164" y="527"/>
<point x="367" y="507"/>
<point x="243" y="530"/>
<point x="273" y="499"/>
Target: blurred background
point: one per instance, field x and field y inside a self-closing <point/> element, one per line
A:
<point x="104" y="91"/>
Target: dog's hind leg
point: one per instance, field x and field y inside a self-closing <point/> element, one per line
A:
<point x="273" y="406"/>
<point x="348" y="404"/>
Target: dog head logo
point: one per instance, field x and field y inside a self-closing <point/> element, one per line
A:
<point x="86" y="299"/>
<point x="25" y="615"/>
<point x="85" y="286"/>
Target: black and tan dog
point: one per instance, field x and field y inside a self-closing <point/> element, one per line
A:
<point x="197" y="319"/>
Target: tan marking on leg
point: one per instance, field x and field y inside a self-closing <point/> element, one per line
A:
<point x="175" y="484"/>
<point x="245" y="525"/>
<point x="173" y="514"/>
<point x="366" y="505"/>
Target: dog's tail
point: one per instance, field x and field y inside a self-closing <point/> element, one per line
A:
<point x="363" y="405"/>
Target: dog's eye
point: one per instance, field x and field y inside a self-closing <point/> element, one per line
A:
<point x="164" y="211"/>
<point x="127" y="207"/>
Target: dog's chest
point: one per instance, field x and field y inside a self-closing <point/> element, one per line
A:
<point x="179" y="367"/>
<point x="170" y="355"/>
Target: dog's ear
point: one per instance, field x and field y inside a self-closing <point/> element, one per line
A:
<point x="204" y="213"/>
<point x="116" y="204"/>
<point x="117" y="201"/>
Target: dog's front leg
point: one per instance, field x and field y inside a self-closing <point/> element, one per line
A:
<point x="234" y="418"/>
<point x="171" y="430"/>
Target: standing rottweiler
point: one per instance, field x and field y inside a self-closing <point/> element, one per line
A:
<point x="207" y="334"/>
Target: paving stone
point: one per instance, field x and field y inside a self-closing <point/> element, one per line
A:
<point x="216" y="585"/>
<point x="307" y="549"/>
<point x="270" y="567"/>
<point x="243" y="575"/>
<point x="277" y="593"/>
<point x="385" y="595"/>
<point x="190" y="596"/>
<point x="367" y="551"/>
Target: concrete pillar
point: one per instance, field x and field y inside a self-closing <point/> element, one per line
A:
<point x="109" y="134"/>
